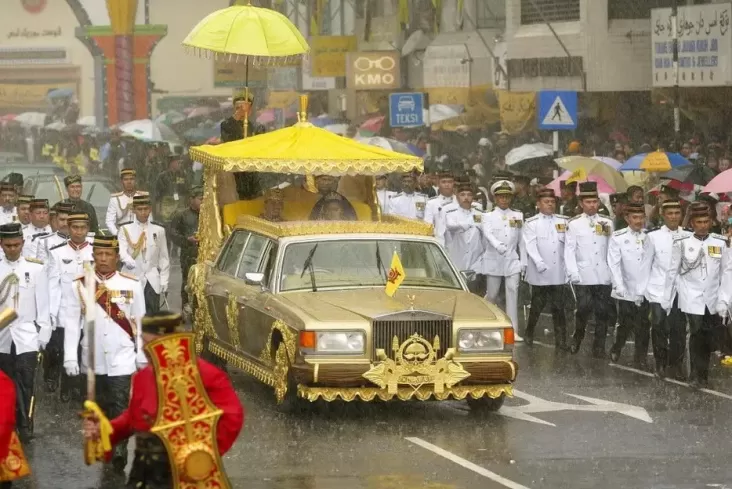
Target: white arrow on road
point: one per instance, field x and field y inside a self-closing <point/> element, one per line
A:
<point x="538" y="405"/>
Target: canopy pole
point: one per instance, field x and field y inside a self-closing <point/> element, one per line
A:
<point x="246" y="97"/>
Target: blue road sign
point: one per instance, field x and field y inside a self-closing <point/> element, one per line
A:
<point x="405" y="109"/>
<point x="557" y="110"/>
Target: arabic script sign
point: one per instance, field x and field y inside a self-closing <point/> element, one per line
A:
<point x="26" y="33"/>
<point x="705" y="46"/>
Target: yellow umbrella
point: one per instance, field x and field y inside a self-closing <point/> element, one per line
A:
<point x="306" y="150"/>
<point x="591" y="166"/>
<point x="248" y="33"/>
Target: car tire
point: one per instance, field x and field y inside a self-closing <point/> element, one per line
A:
<point x="291" y="403"/>
<point x="486" y="404"/>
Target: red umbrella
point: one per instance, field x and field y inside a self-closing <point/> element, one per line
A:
<point x="374" y="124"/>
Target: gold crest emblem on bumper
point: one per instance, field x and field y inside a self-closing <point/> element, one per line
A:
<point x="416" y="364"/>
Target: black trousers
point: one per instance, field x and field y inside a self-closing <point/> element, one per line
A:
<point x="186" y="263"/>
<point x="594" y="298"/>
<point x="113" y="396"/>
<point x="669" y="336"/>
<point x="552" y="295"/>
<point x="53" y="362"/>
<point x="152" y="299"/>
<point x="150" y="468"/>
<point x="22" y="369"/>
<point x="634" y="318"/>
<point x="701" y="343"/>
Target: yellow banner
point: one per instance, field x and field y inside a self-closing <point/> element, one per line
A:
<point x="281" y="100"/>
<point x="459" y="96"/>
<point x="28" y="96"/>
<point x="518" y="110"/>
<point x="328" y="54"/>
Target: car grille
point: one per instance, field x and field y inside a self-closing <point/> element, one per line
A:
<point x="385" y="330"/>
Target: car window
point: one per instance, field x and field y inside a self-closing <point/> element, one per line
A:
<point x="252" y="256"/>
<point x="229" y="258"/>
<point x="48" y="190"/>
<point x="97" y="194"/>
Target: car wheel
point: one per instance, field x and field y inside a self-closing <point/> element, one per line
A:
<point x="486" y="404"/>
<point x="285" y="388"/>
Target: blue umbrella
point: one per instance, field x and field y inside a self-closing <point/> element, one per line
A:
<point x="60" y="93"/>
<point x="321" y="121"/>
<point x="657" y="161"/>
<point x="415" y="150"/>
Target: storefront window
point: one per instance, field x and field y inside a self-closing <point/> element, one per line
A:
<point x="538" y="11"/>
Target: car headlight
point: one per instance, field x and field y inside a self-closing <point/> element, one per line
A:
<point x="342" y="342"/>
<point x="477" y="340"/>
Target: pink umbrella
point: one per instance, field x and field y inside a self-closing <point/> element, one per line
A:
<point x="720" y="184"/>
<point x="602" y="186"/>
<point x="374" y="124"/>
<point x="266" y="117"/>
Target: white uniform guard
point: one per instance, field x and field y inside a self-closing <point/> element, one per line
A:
<point x="66" y="265"/>
<point x="434" y="214"/>
<point x="143" y="250"/>
<point x="544" y="241"/>
<point x="462" y="238"/>
<point x="501" y="260"/>
<point x="384" y="195"/>
<point x="8" y="215"/>
<point x="407" y="203"/>
<point x="33" y="233"/>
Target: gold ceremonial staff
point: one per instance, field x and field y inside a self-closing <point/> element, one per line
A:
<point x="93" y="450"/>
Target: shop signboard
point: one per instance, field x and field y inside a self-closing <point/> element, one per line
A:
<point x="374" y="70"/>
<point x="705" y="46"/>
<point x="328" y="54"/>
<point x="446" y="66"/>
<point x="312" y="83"/>
<point x="232" y="74"/>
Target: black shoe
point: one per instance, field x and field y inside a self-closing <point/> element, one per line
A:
<point x="695" y="384"/>
<point x="529" y="340"/>
<point x="676" y="373"/>
<point x="660" y="372"/>
<point x="65" y="396"/>
<point x="574" y="347"/>
<point x="614" y="356"/>
<point x="51" y="385"/>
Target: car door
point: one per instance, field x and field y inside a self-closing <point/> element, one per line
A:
<point x="254" y="319"/>
<point x="222" y="281"/>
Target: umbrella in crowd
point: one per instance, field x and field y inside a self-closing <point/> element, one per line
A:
<point x="528" y="152"/>
<point x="602" y="186"/>
<point x="60" y="93"/>
<point x="371" y="126"/>
<point x="87" y="121"/>
<point x="268" y="116"/>
<point x="199" y="135"/>
<point x="321" y="121"/>
<point x="657" y="161"/>
<point x="594" y="167"/>
<point x="200" y="111"/>
<point x="56" y="126"/>
<point x="615" y="164"/>
<point x="442" y="112"/>
<point x="720" y="184"/>
<point x="37" y="119"/>
<point x="149" y="131"/>
<point x="340" y="129"/>
<point x="695" y="174"/>
<point x="387" y="144"/>
<point x="170" y="118"/>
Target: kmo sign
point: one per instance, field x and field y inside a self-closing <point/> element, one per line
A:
<point x="373" y="70"/>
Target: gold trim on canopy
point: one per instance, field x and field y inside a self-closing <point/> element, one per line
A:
<point x="304" y="149"/>
<point x="389" y="225"/>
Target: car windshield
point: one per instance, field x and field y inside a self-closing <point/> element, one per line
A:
<point x="364" y="263"/>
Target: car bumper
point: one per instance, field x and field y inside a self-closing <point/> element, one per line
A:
<point x="403" y="393"/>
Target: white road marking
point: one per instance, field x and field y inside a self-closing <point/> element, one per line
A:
<point x="671" y="381"/>
<point x="538" y="405"/>
<point x="467" y="464"/>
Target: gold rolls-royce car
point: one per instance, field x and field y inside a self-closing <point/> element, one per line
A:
<point x="302" y="306"/>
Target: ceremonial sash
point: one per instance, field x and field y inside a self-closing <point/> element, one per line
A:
<point x="136" y="246"/>
<point x="111" y="308"/>
<point x="15" y="465"/>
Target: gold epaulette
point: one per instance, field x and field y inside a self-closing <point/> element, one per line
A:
<point x="117" y="194"/>
<point x="143" y="192"/>
<point x="34" y="260"/>
<point x="127" y="275"/>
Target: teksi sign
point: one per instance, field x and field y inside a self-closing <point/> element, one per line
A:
<point x="705" y="46"/>
<point x="406" y="109"/>
<point x="375" y="70"/>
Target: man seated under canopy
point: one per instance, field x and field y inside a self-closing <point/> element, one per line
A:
<point x="327" y="188"/>
<point x="274" y="203"/>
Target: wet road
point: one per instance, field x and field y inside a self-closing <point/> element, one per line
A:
<point x="575" y="422"/>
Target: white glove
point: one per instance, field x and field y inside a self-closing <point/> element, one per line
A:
<point x="575" y="279"/>
<point x="541" y="267"/>
<point x="129" y="265"/>
<point x="722" y="310"/>
<point x="44" y="336"/>
<point x="620" y="292"/>
<point x="502" y="248"/>
<point x="72" y="368"/>
<point x="639" y="301"/>
<point x="140" y="365"/>
<point x="163" y="289"/>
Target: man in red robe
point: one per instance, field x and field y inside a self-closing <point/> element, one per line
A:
<point x="151" y="468"/>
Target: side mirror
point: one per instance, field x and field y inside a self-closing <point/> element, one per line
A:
<point x="253" y="278"/>
<point x="469" y="275"/>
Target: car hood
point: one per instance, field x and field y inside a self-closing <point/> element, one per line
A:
<point x="352" y="307"/>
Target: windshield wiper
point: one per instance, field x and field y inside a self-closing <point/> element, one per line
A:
<point x="309" y="264"/>
<point x="380" y="263"/>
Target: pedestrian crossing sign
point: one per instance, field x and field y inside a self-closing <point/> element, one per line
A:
<point x="557" y="110"/>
